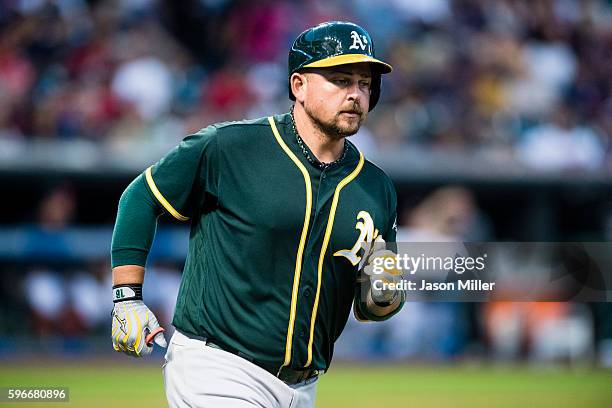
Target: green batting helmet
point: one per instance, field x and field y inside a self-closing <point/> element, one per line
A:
<point x="336" y="43"/>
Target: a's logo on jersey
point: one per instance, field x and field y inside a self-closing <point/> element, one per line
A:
<point x="358" y="41"/>
<point x="367" y="235"/>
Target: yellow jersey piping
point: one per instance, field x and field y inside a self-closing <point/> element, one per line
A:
<point x="300" y="252"/>
<point x="161" y="198"/>
<point x="328" y="231"/>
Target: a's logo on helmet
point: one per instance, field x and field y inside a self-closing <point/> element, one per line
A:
<point x="358" y="41"/>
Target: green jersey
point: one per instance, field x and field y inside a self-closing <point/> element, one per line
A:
<point x="275" y="238"/>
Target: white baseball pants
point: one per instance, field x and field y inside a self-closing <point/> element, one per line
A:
<point x="196" y="375"/>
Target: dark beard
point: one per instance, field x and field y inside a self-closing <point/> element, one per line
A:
<point x="332" y="129"/>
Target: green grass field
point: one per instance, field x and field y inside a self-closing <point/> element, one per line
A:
<point x="96" y="384"/>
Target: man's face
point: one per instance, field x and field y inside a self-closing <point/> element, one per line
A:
<point x="337" y="98"/>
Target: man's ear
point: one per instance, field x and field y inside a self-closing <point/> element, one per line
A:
<point x="299" y="85"/>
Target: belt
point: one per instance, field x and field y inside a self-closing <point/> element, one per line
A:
<point x="285" y="374"/>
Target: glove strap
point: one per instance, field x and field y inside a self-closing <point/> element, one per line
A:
<point x="127" y="291"/>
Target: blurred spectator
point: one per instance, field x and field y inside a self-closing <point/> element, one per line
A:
<point x="145" y="82"/>
<point x="562" y="145"/>
<point x="47" y="300"/>
<point x="469" y="75"/>
<point x="541" y="331"/>
<point x="142" y="78"/>
<point x="57" y="208"/>
<point x="88" y="291"/>
<point x="447" y="214"/>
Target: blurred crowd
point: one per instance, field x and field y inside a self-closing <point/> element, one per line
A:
<point x="521" y="80"/>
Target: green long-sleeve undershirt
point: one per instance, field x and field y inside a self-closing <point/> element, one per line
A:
<point x="135" y="225"/>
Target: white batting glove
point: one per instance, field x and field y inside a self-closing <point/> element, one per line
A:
<point x="135" y="327"/>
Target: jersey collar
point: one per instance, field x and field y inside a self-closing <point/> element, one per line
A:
<point x="350" y="155"/>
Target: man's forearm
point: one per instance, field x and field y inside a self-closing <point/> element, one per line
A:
<point x="128" y="274"/>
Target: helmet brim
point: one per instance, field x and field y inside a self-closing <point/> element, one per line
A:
<point x="344" y="59"/>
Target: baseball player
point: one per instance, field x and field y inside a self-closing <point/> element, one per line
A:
<point x="279" y="208"/>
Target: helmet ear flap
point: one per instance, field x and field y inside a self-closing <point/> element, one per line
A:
<point x="291" y="95"/>
<point x="375" y="90"/>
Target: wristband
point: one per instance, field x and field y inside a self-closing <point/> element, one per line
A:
<point x="127" y="291"/>
<point x="386" y="303"/>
